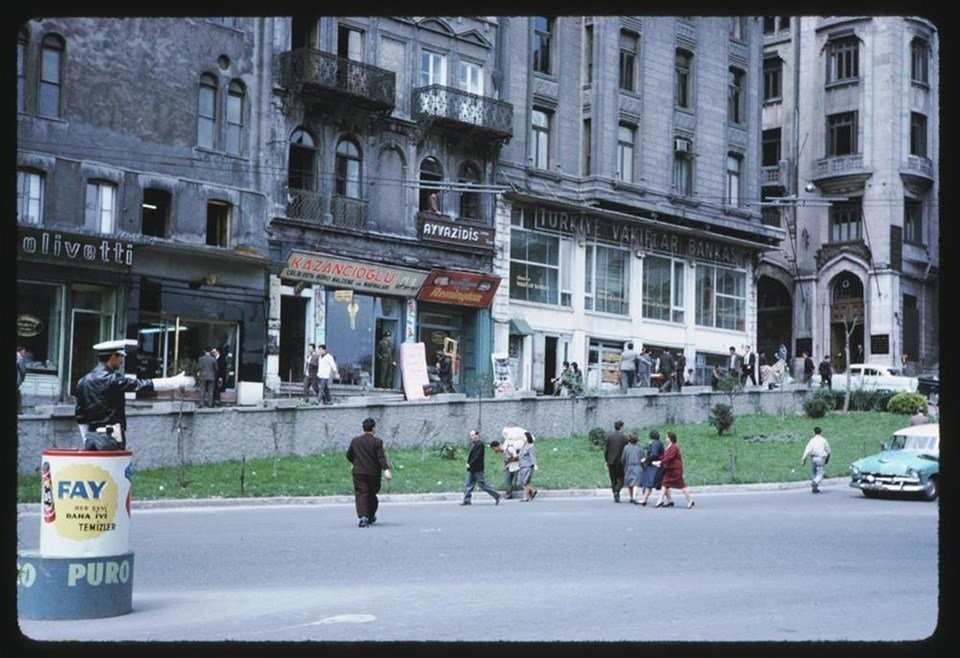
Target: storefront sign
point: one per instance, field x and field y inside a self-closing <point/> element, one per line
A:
<point x="28" y="325"/>
<point x="639" y="237"/>
<point x="353" y="274"/>
<point x="453" y="233"/>
<point x="462" y="288"/>
<point x="70" y="247"/>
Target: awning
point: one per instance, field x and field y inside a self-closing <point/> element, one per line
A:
<point x="520" y="327"/>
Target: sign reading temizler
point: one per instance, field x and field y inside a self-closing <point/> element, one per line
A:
<point x="352" y="273"/>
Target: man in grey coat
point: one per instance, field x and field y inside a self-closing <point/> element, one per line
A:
<point x="208" y="377"/>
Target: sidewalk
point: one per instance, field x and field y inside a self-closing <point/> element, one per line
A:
<point x="450" y="496"/>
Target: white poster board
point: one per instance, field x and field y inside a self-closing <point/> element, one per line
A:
<point x="503" y="370"/>
<point x="413" y="370"/>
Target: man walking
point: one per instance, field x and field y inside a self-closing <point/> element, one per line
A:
<point x="311" y="362"/>
<point x="475" y="474"/>
<point x="513" y="440"/>
<point x="628" y="367"/>
<point x="369" y="465"/>
<point x="808" y="369"/>
<point x="826" y="373"/>
<point x="679" y="368"/>
<point x="612" y="450"/>
<point x="749" y="365"/>
<point x="208" y="377"/>
<point x="734" y="363"/>
<point x="818" y="450"/>
<point x="326" y="370"/>
<point x="667" y="371"/>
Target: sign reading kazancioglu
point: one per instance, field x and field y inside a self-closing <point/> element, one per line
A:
<point x="85" y="496"/>
<point x="352" y="274"/>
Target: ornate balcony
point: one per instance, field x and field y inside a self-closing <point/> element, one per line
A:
<point x="348" y="213"/>
<point x="322" y="76"/>
<point x="461" y="110"/>
<point x="304" y="204"/>
<point x="772" y="177"/>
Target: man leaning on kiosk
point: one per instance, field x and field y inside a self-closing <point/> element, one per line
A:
<point x="101" y="400"/>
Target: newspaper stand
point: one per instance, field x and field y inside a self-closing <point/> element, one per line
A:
<point x="84" y="568"/>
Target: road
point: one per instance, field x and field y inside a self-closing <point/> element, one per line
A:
<point x="743" y="565"/>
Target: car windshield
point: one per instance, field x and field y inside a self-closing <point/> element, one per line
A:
<point x="914" y="443"/>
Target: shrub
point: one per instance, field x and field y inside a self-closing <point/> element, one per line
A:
<point x="861" y="400"/>
<point x="721" y="417"/>
<point x="448" y="451"/>
<point x="820" y="403"/>
<point x="597" y="436"/>
<point x="905" y="403"/>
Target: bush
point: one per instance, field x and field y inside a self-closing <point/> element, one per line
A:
<point x="597" y="436"/>
<point x="820" y="403"/>
<point x="905" y="403"/>
<point x="861" y="400"/>
<point x="447" y="451"/>
<point x="721" y="417"/>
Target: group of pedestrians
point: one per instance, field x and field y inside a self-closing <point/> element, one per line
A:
<point x="643" y="470"/>
<point x="569" y="383"/>
<point x="321" y="368"/>
<point x="641" y="369"/>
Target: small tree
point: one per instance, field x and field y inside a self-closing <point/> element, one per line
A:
<point x="597" y="436"/>
<point x="721" y="417"/>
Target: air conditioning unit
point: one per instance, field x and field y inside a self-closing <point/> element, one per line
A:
<point x="682" y="145"/>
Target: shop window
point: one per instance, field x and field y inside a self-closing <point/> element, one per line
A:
<point x="170" y="344"/>
<point x="39" y="325"/>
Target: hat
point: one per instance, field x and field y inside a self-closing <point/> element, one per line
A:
<point x="120" y="346"/>
<point x="387" y="333"/>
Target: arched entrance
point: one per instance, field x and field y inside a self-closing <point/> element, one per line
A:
<point x="774" y="317"/>
<point x="846" y="319"/>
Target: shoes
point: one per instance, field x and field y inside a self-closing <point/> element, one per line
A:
<point x="659" y="504"/>
<point x="496" y="501"/>
<point x="633" y="502"/>
<point x="816" y="489"/>
<point x="616" y="497"/>
<point x="364" y="522"/>
<point x="692" y="502"/>
<point x="372" y="520"/>
<point x="642" y="503"/>
<point x="466" y="502"/>
<point x="533" y="494"/>
<point x="670" y="504"/>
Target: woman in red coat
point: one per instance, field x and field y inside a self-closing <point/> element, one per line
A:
<point x="672" y="464"/>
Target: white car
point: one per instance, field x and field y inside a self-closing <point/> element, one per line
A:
<point x="872" y="377"/>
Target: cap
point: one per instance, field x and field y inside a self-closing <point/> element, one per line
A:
<point x="387" y="333"/>
<point x="115" y="346"/>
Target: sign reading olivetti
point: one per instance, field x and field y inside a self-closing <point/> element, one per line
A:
<point x="64" y="247"/>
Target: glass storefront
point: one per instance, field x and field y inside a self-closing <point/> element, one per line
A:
<point x="353" y="324"/>
<point x="169" y="345"/>
<point x="40" y="324"/>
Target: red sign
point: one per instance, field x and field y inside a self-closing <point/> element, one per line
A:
<point x="461" y="288"/>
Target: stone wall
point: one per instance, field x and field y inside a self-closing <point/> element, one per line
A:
<point x="286" y="428"/>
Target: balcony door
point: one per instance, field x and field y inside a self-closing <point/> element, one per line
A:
<point x="471" y="81"/>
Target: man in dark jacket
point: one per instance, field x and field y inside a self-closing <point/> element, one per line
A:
<point x="369" y="461"/>
<point x="101" y="403"/>
<point x="680" y="368"/>
<point x="207" y="365"/>
<point x="667" y="370"/>
<point x="612" y="449"/>
<point x="826" y="373"/>
<point x="475" y="475"/>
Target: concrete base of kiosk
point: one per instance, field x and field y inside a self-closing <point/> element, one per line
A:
<point x="74" y="587"/>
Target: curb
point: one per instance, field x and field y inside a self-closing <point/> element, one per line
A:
<point x="450" y="496"/>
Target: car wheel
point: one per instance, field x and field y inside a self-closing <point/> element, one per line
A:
<point x="869" y="493"/>
<point x="930" y="489"/>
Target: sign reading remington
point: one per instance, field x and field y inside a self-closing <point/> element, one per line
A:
<point x="352" y="274"/>
<point x="72" y="247"/>
<point x="639" y="237"/>
<point x="453" y="233"/>
<point x="462" y="288"/>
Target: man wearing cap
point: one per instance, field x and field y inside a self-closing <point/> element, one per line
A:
<point x="101" y="401"/>
<point x="385" y="361"/>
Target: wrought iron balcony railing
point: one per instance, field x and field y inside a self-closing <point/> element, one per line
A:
<point x="348" y="213"/>
<point x="455" y="106"/>
<point x="304" y="204"/>
<point x="315" y="71"/>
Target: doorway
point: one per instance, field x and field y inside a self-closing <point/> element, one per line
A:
<point x="549" y="364"/>
<point x="293" y="345"/>
<point x="383" y="326"/>
<point x="88" y="329"/>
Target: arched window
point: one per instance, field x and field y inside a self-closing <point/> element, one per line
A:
<point x="348" y="169"/>
<point x="470" y="199"/>
<point x="236" y="97"/>
<point x="207" y="112"/>
<point x="847" y="287"/>
<point x="51" y="76"/>
<point x="431" y="199"/>
<point x="302" y="161"/>
<point x="22" y="39"/>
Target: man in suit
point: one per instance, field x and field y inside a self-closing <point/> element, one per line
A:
<point x="734" y="363"/>
<point x="612" y="449"/>
<point x="369" y="463"/>
<point x="208" y="377"/>
<point x="750" y="365"/>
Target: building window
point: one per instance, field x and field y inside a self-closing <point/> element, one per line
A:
<point x="738" y="28"/>
<point x="628" y="60"/>
<point x="348" y="171"/>
<point x="218" y="224"/>
<point x="542" y="36"/>
<point x="606" y="279"/>
<point x="626" y="135"/>
<point x="235" y="111"/>
<point x="769" y="24"/>
<point x="207" y="112"/>
<point x="721" y="297"/>
<point x="155" y="212"/>
<point x="843" y="59"/>
<point x="431" y="174"/>
<point x="44" y="302"/>
<point x="301" y="161"/>
<point x="771" y="147"/>
<point x="349" y="43"/>
<point x="683" y="166"/>
<point x="51" y="76"/>
<point x="587" y="54"/>
<point x="29" y="197"/>
<point x="683" y="72"/>
<point x="540" y="139"/>
<point x="736" y="79"/>
<point x="540" y="262"/>
<point x="784" y="23"/>
<point x="920" y="61"/>
<point x="663" y="289"/>
<point x="101" y="207"/>
<point x="846" y="221"/>
<point x="842" y="134"/>
<point x="470" y="199"/>
<point x="433" y="69"/>
<point x="22" y="40"/>
<point x="918" y="134"/>
<point x="587" y="163"/>
<point x="772" y="78"/>
<point x="734" y="180"/>
<point x="913" y="221"/>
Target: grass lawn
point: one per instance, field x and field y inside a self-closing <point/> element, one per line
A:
<point x="758" y="448"/>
